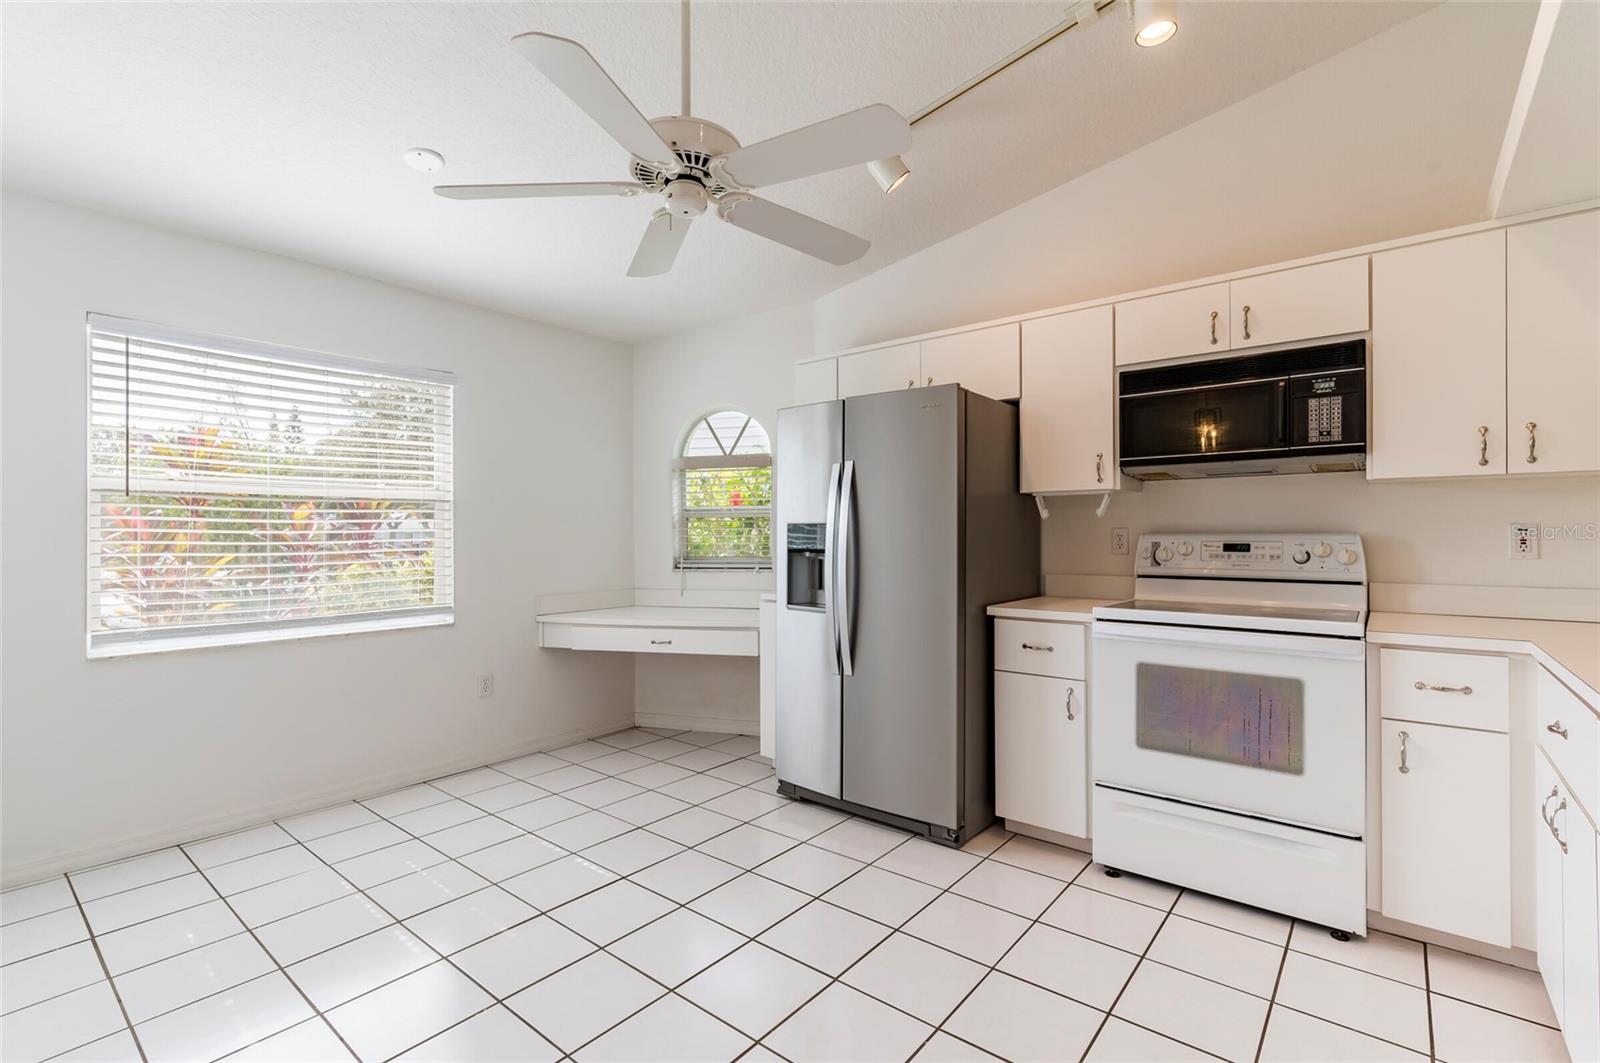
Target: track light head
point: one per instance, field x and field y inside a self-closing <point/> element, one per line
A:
<point x="890" y="173"/>
<point x="1154" y="21"/>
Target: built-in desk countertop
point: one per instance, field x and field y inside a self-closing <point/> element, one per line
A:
<point x="1080" y="610"/>
<point x="653" y="629"/>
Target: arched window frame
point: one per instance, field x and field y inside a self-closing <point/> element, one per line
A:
<point x="729" y="445"/>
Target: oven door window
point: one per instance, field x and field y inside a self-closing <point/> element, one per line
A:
<point x="1193" y="422"/>
<point x="1257" y="721"/>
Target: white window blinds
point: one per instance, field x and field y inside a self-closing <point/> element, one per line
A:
<point x="723" y="494"/>
<point x="240" y="491"/>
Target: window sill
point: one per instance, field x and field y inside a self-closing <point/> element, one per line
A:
<point x="249" y="638"/>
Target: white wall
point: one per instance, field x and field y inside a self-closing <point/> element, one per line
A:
<point x="745" y="364"/>
<point x="1395" y="136"/>
<point x="105" y="757"/>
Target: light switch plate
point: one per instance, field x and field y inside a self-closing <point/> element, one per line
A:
<point x="1522" y="541"/>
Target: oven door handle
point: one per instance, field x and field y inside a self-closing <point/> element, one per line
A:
<point x="1340" y="649"/>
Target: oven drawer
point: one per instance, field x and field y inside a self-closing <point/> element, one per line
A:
<point x="1455" y="689"/>
<point x="1284" y="869"/>
<point x="1039" y="648"/>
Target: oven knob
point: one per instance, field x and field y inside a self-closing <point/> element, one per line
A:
<point x="1323" y="549"/>
<point x="1164" y="554"/>
<point x="1185" y="549"/>
<point x="1301" y="557"/>
<point x="1347" y="556"/>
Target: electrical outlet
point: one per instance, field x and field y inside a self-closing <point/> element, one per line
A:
<point x="1522" y="541"/>
<point x="1119" y="540"/>
<point x="485" y="684"/>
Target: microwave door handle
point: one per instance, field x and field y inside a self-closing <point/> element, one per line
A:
<point x="830" y="588"/>
<point x="847" y="509"/>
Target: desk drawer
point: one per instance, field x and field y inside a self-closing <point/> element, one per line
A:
<point x="709" y="641"/>
<point x="1454" y="689"/>
<point x="1567" y="730"/>
<point x="1039" y="648"/>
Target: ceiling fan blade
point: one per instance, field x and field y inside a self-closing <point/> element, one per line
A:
<point x="538" y="191"/>
<point x="793" y="229"/>
<point x="874" y="132"/>
<point x="571" y="68"/>
<point x="659" y="248"/>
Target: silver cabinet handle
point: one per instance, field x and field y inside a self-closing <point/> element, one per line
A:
<point x="1544" y="806"/>
<point x="1247" y="322"/>
<point x="911" y="383"/>
<point x="1533" y="442"/>
<point x="1556" y="729"/>
<point x="1404" y="769"/>
<point x="1420" y="685"/>
<point x="1483" y="444"/>
<point x="1550" y="821"/>
<point x="930" y="381"/>
<point x="660" y="642"/>
<point x="1070" y="692"/>
<point x="1213" y="328"/>
<point x="1041" y="649"/>
<point x="1099" y="467"/>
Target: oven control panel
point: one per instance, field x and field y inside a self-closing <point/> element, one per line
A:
<point x="1304" y="556"/>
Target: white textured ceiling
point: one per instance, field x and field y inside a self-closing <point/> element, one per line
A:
<point x="280" y="126"/>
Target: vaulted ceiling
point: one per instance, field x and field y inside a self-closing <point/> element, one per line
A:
<point x="281" y="126"/>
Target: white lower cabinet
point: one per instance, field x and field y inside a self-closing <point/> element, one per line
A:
<point x="1567" y="896"/>
<point x="1447" y="829"/>
<point x="1547" y="870"/>
<point x="1041" y="752"/>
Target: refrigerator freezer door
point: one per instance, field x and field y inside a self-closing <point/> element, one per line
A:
<point x="902" y="699"/>
<point x="810" y="443"/>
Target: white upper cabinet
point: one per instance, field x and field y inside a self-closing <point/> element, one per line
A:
<point x="1191" y="321"/>
<point x="816" y="381"/>
<point x="1068" y="427"/>
<point x="1327" y="299"/>
<point x="983" y="360"/>
<point x="1553" y="345"/>
<point x="885" y="369"/>
<point x="1438" y="364"/>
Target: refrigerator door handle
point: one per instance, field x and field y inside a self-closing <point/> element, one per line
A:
<point x="841" y="587"/>
<point x="829" y="609"/>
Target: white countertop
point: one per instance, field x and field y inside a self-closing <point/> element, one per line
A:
<point x="1570" y="649"/>
<point x="1061" y="609"/>
<point x="657" y="616"/>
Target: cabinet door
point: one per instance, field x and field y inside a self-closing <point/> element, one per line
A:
<point x="816" y="382"/>
<point x="885" y="369"/>
<point x="1547" y="875"/>
<point x="1327" y="299"/>
<point x="1041" y="761"/>
<point x="1580" y="932"/>
<point x="1438" y="367"/>
<point x="1068" y="414"/>
<point x="1447" y="821"/>
<point x="1193" y="321"/>
<point x="1553" y="345"/>
<point x="984" y="360"/>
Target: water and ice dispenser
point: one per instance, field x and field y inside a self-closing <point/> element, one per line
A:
<point x="808" y="563"/>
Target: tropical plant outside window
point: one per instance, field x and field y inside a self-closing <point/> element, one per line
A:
<point x="236" y="487"/>
<point x="723" y="488"/>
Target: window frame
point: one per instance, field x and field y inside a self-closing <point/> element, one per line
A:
<point x="681" y="512"/>
<point x="100" y="644"/>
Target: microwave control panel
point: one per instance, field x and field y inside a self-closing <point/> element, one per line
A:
<point x="1299" y="556"/>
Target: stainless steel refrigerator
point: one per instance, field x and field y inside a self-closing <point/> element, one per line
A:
<point x="899" y="522"/>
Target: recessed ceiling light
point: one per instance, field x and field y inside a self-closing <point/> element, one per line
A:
<point x="1154" y="21"/>
<point x="424" y="160"/>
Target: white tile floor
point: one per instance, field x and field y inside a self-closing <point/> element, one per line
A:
<point x="648" y="896"/>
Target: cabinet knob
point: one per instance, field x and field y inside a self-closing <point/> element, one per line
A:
<point x="1099" y="468"/>
<point x="1404" y="738"/>
<point x="1533" y="442"/>
<point x="930" y="381"/>
<point x="1420" y="685"/>
<point x="1247" y="322"/>
<point x="1040" y="649"/>
<point x="1213" y="328"/>
<point x="1070" y="692"/>
<point x="911" y="383"/>
<point x="1556" y="729"/>
<point x="1483" y="444"/>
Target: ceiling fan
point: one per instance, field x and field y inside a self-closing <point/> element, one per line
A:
<point x="695" y="165"/>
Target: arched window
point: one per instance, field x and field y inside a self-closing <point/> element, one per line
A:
<point x="722" y="487"/>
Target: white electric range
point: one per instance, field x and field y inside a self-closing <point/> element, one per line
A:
<point x="1229" y="743"/>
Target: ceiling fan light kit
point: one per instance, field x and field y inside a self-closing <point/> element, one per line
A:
<point x="695" y="165"/>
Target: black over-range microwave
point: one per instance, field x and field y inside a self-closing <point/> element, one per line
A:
<point x="1302" y="410"/>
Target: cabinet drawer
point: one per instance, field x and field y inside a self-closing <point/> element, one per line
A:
<point x="1569" y="732"/>
<point x="709" y="641"/>
<point x="1039" y="648"/>
<point x="1456" y="689"/>
<point x="1041" y="759"/>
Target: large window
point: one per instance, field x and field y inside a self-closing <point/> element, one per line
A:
<point x="723" y="487"/>
<point x="242" y="492"/>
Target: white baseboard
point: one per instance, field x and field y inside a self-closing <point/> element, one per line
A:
<point x="1516" y="957"/>
<point x="21" y="873"/>
<point x="682" y="722"/>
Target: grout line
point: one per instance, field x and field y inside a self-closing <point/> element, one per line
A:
<point x="1427" y="996"/>
<point x="111" y="982"/>
<point x="1131" y="976"/>
<point x="1272" y="1001"/>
